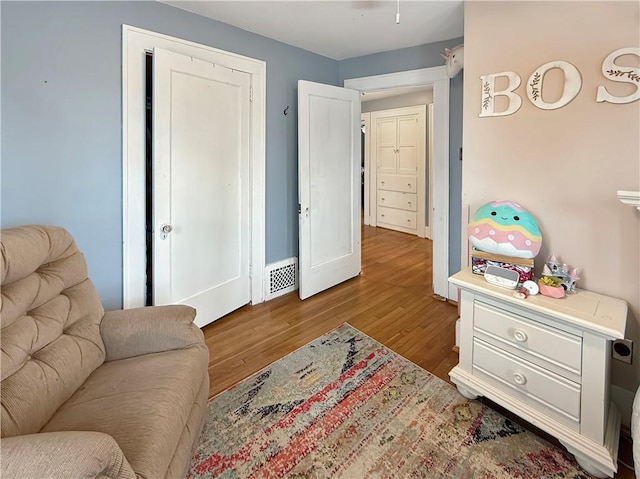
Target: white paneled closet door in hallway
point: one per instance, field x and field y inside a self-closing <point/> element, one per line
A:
<point x="398" y="169"/>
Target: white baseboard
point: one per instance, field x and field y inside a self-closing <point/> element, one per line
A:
<point x="623" y="399"/>
<point x="453" y="292"/>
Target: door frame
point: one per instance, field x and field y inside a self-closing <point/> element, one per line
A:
<point x="428" y="233"/>
<point x="365" y="120"/>
<point x="136" y="42"/>
<point x="437" y="77"/>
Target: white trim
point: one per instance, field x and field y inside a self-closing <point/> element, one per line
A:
<point x="437" y="77"/>
<point x="630" y="198"/>
<point x="464" y="238"/>
<point x="453" y="292"/>
<point x="366" y="119"/>
<point x="135" y="43"/>
<point x="429" y="215"/>
<point x="623" y="399"/>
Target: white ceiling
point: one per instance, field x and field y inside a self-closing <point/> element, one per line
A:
<point x="339" y="29"/>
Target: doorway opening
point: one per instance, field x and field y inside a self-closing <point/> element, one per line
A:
<point x="395" y="159"/>
<point x="436" y="78"/>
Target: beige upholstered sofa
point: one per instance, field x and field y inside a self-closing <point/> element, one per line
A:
<point x="87" y="393"/>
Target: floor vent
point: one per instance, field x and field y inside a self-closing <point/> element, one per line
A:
<point x="282" y="278"/>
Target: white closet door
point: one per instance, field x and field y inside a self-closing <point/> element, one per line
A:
<point x="408" y="142"/>
<point x="398" y="166"/>
<point x="329" y="186"/>
<point x="386" y="145"/>
<point x="200" y="185"/>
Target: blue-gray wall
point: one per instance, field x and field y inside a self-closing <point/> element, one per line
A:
<point x="413" y="58"/>
<point x="62" y="118"/>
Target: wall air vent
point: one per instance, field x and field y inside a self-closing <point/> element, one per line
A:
<point x="281" y="278"/>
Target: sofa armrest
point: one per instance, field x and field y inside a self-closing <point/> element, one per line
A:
<point x="67" y="454"/>
<point x="133" y="332"/>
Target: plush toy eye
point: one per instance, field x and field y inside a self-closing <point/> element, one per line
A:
<point x="493" y="213"/>
<point x="517" y="218"/>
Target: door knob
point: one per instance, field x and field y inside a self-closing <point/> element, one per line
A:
<point x="165" y="229"/>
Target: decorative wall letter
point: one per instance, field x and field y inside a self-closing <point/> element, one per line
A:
<point x="489" y="93"/>
<point x="572" y="85"/>
<point x="622" y="74"/>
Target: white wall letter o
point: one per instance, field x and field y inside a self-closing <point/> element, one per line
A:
<point x="572" y="85"/>
<point x="489" y="93"/>
<point x="614" y="72"/>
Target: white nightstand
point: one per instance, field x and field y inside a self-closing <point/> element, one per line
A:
<point x="546" y="360"/>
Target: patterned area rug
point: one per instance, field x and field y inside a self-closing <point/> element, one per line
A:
<point x="345" y="406"/>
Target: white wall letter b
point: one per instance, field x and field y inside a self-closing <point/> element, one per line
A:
<point x="489" y="93"/>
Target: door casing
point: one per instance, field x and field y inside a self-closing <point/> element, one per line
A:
<point x="436" y="76"/>
<point x="136" y="43"/>
<point x="365" y="119"/>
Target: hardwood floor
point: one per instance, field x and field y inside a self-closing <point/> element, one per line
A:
<point x="391" y="301"/>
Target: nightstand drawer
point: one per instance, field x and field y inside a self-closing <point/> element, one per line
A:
<point x="558" y="397"/>
<point x="539" y="343"/>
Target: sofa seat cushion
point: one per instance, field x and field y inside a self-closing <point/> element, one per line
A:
<point x="143" y="402"/>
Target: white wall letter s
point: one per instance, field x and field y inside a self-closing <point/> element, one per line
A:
<point x="615" y="72"/>
<point x="489" y="93"/>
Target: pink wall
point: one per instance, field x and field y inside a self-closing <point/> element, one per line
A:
<point x="564" y="165"/>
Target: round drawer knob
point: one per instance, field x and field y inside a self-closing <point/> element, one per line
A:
<point x="520" y="336"/>
<point x="519" y="379"/>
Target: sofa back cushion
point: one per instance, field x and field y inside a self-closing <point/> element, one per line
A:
<point x="50" y="320"/>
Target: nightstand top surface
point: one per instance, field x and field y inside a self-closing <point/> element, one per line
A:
<point x="590" y="311"/>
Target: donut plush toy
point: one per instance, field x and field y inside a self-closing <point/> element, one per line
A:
<point x="506" y="228"/>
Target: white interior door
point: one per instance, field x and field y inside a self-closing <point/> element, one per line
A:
<point x="200" y="185"/>
<point x="328" y="186"/>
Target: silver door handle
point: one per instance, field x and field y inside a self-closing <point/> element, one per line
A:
<point x="165" y="229"/>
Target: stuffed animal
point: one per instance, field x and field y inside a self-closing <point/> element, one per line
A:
<point x="505" y="228"/>
<point x="454" y="60"/>
<point x="562" y="273"/>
